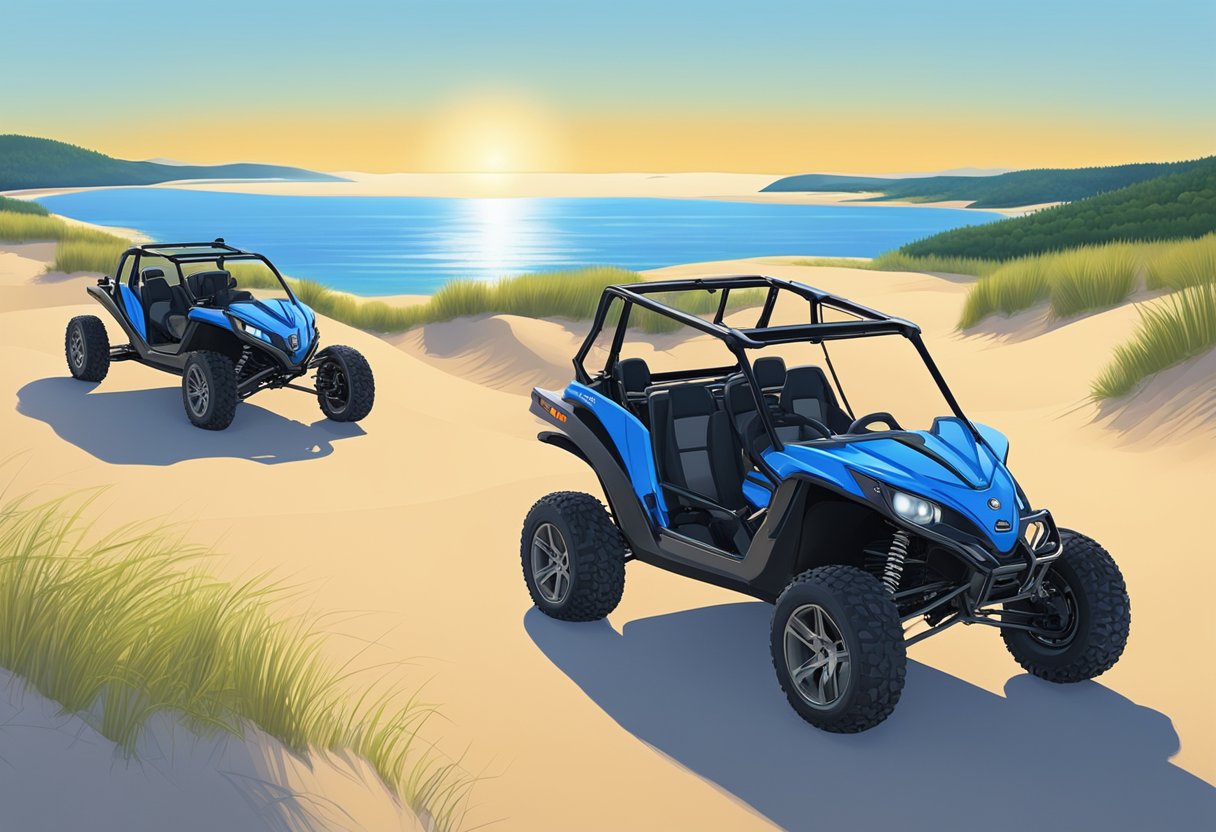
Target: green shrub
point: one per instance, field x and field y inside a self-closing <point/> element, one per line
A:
<point x="125" y="626"/>
<point x="1180" y="327"/>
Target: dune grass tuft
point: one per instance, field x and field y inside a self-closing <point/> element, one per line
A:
<point x="897" y="261"/>
<point x="573" y="295"/>
<point x="1179" y="327"/>
<point x="21" y="206"/>
<point x="80" y="249"/>
<point x="1075" y="281"/>
<point x="1186" y="263"/>
<point x="1085" y="279"/>
<point x="1013" y="288"/>
<point x="125" y="626"/>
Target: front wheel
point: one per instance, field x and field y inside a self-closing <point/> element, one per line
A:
<point x="573" y="557"/>
<point x="209" y="390"/>
<point x="346" y="388"/>
<point x="1085" y="616"/>
<point x="838" y="649"/>
<point x="87" y="348"/>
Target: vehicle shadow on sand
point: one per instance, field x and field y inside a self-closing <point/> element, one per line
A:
<point x="149" y="427"/>
<point x="699" y="687"/>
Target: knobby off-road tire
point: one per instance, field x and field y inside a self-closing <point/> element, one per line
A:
<point x="855" y="613"/>
<point x="87" y="348"/>
<point x="1101" y="609"/>
<point x="209" y="390"/>
<point x="573" y="557"/>
<point x="349" y="386"/>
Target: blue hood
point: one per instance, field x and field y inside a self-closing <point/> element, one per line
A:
<point x="945" y="464"/>
<point x="281" y="317"/>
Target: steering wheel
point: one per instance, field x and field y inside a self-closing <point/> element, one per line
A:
<point x="862" y="425"/>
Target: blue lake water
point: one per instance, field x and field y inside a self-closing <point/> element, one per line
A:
<point x="398" y="245"/>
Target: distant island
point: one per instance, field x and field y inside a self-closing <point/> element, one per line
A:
<point x="1007" y="190"/>
<point x="29" y="162"/>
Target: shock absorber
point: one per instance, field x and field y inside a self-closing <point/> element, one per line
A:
<point x="240" y="365"/>
<point x="894" y="569"/>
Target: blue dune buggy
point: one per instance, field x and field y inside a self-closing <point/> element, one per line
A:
<point x="757" y="476"/>
<point x="182" y="311"/>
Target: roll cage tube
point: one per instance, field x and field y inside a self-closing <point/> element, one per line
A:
<point x="179" y="253"/>
<point x="871" y="323"/>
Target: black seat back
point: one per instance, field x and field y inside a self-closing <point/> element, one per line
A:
<point x="770" y="374"/>
<point x="164" y="306"/>
<point x="213" y="286"/>
<point x="695" y="447"/>
<point x="632" y="377"/>
<point x="806" y="392"/>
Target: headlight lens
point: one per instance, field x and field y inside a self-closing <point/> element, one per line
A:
<point x="914" y="509"/>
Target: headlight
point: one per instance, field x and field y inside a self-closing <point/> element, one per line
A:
<point x="914" y="509"/>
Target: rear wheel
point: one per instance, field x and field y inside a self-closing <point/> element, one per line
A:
<point x="838" y="649"/>
<point x="87" y="348"/>
<point x="209" y="390"/>
<point x="573" y="557"/>
<point x="1084" y="611"/>
<point x="346" y="388"/>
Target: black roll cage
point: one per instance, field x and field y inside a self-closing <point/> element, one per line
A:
<point x="179" y="253"/>
<point x="870" y="323"/>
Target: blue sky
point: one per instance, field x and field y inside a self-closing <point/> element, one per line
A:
<point x="1078" y="73"/>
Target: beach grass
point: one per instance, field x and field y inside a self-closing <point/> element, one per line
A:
<point x="1177" y="328"/>
<point x="121" y="627"/>
<point x="897" y="261"/>
<point x="1088" y="279"/>
<point x="21" y="206"/>
<point x="1185" y="263"/>
<point x="79" y="249"/>
<point x="1085" y="279"/>
<point x="572" y="295"/>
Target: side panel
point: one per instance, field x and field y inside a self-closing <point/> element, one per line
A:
<point x="632" y="441"/>
<point x="215" y="317"/>
<point x="134" y="311"/>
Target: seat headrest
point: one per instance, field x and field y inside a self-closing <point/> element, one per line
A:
<point x="210" y="283"/>
<point x="739" y="398"/>
<point x="691" y="400"/>
<point x="151" y="272"/>
<point x="770" y="371"/>
<point x="804" y="383"/>
<point x="632" y="374"/>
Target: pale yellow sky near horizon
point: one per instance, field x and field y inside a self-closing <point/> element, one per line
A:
<point x="883" y="86"/>
<point x="500" y="138"/>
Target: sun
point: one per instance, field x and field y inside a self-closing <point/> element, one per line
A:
<point x="492" y="133"/>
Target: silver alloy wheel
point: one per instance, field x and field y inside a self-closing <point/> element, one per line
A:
<point x="198" y="392"/>
<point x="816" y="656"/>
<point x="550" y="564"/>
<point x="76" y="347"/>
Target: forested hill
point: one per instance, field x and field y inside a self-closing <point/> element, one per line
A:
<point x="29" y="162"/>
<point x="1006" y="190"/>
<point x="1178" y="205"/>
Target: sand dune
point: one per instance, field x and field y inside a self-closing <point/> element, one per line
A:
<point x="667" y="715"/>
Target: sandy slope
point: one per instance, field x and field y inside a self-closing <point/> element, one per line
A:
<point x="177" y="780"/>
<point x="667" y="716"/>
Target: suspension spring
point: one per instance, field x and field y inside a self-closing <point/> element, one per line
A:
<point x="240" y="365"/>
<point x="894" y="569"/>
